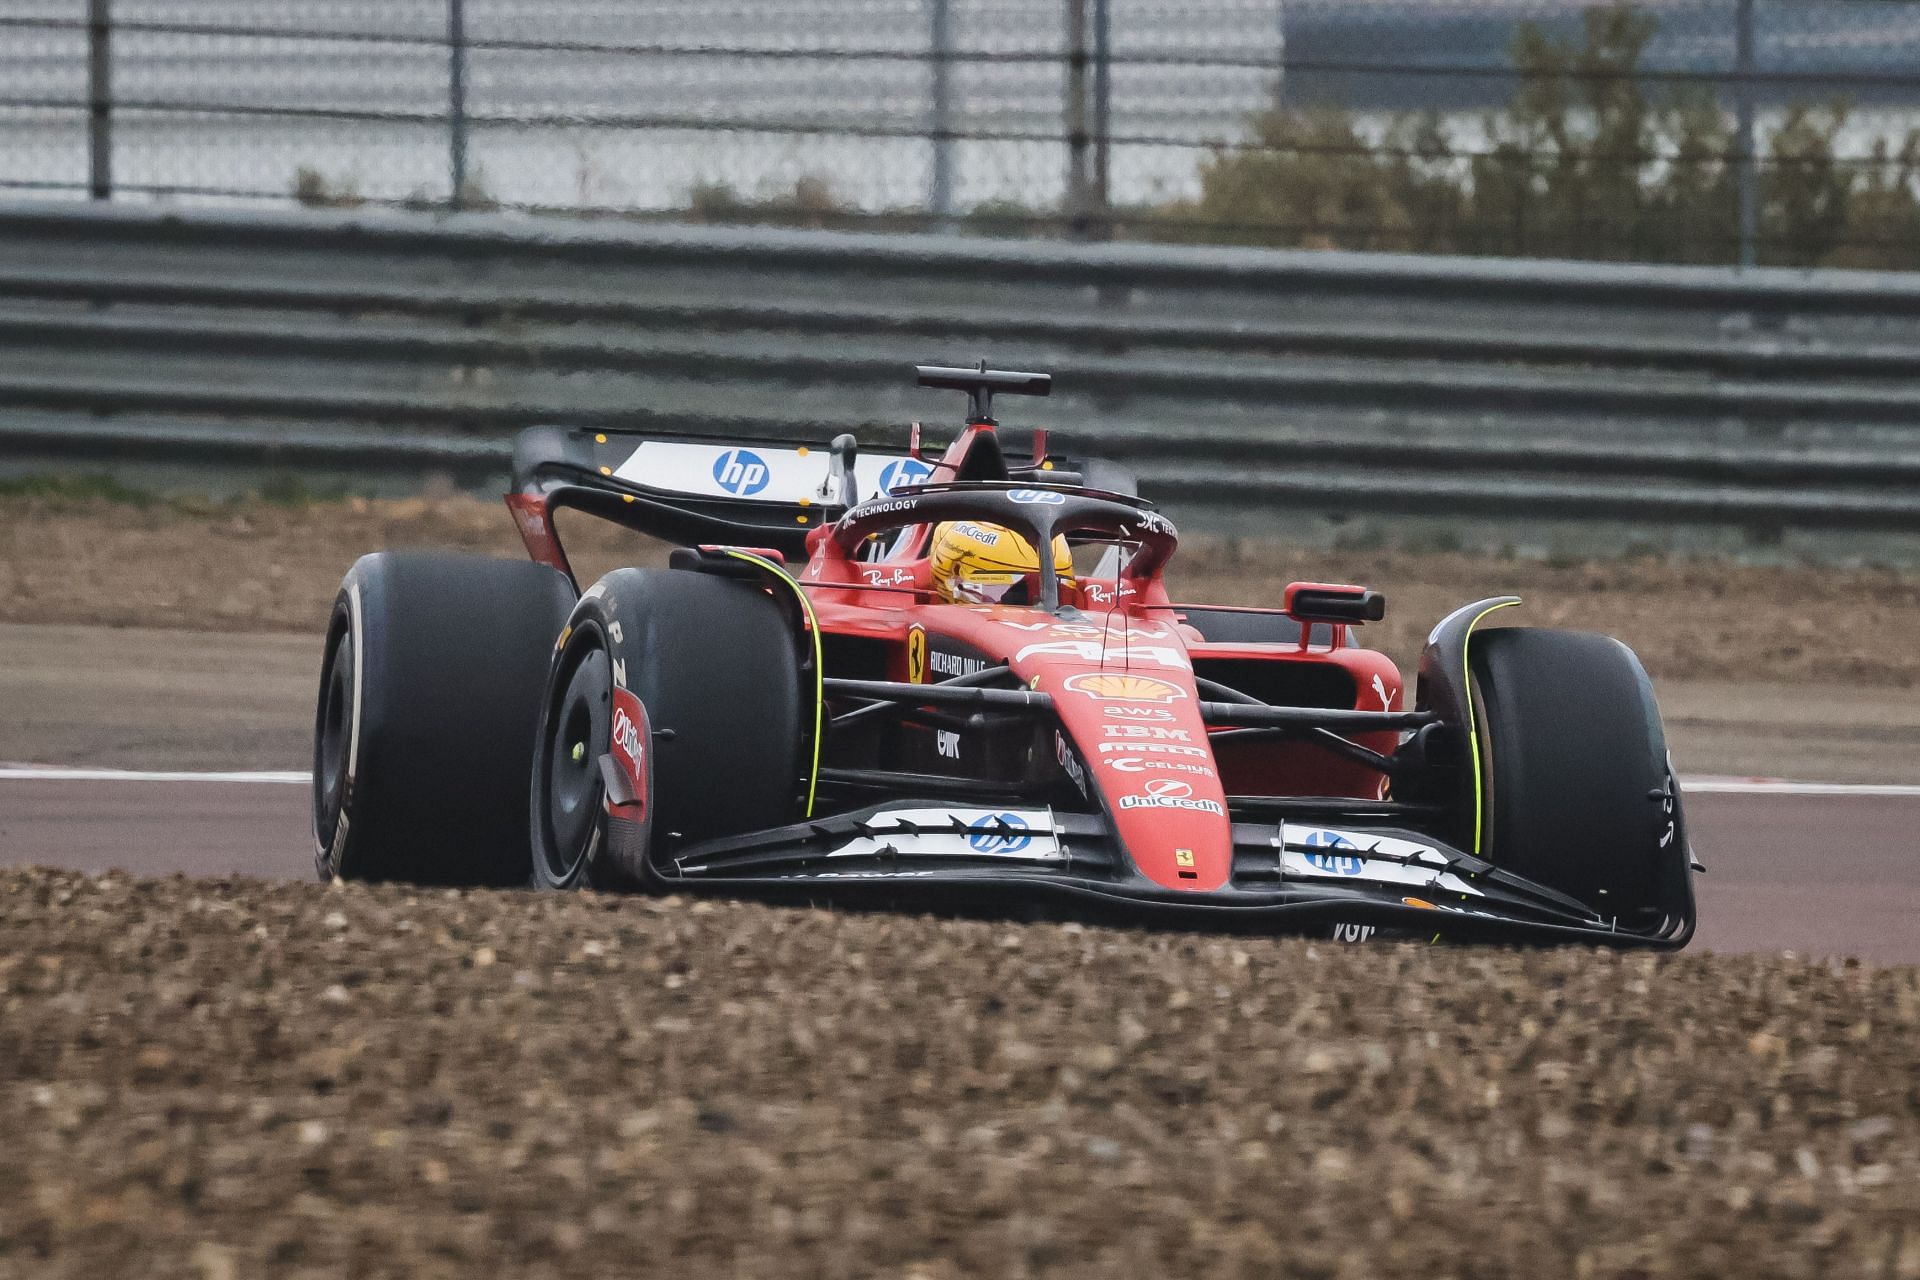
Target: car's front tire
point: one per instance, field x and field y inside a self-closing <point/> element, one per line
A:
<point x="1576" y="789"/>
<point x="429" y="696"/>
<point x="699" y="675"/>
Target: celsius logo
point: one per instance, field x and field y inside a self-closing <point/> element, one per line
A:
<point x="741" y="472"/>
<point x="905" y="471"/>
<point x="1140" y="764"/>
<point x="999" y="833"/>
<point x="1339" y="864"/>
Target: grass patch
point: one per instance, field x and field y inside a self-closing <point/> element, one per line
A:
<point x="76" y="488"/>
<point x="288" y="490"/>
<point x="283" y="489"/>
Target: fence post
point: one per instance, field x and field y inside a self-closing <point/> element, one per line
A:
<point x="1102" y="117"/>
<point x="1743" y="127"/>
<point x="99" y="100"/>
<point x="457" y="98"/>
<point x="940" y="40"/>
<point x="1076" y="113"/>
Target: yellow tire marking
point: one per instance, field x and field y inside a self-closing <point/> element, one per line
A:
<point x="1473" y="724"/>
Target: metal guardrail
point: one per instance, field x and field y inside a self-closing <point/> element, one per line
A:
<point x="1234" y="381"/>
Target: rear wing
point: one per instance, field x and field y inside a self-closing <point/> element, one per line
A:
<point x="696" y="489"/>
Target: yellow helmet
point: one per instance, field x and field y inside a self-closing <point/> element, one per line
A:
<point x="977" y="563"/>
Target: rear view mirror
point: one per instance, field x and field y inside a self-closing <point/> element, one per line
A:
<point x="1333" y="602"/>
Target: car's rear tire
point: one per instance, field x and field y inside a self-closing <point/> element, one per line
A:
<point x="429" y="695"/>
<point x="1577" y="789"/>
<point x="717" y="699"/>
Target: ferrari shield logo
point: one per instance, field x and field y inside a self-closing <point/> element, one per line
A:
<point x="916" y="656"/>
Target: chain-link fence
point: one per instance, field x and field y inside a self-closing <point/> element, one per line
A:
<point x="1683" y="130"/>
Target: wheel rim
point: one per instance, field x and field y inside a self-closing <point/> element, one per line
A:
<point x="578" y="727"/>
<point x="333" y="739"/>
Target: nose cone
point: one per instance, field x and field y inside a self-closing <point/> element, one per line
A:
<point x="1150" y="765"/>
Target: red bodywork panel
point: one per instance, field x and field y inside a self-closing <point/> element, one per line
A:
<point x="1123" y="686"/>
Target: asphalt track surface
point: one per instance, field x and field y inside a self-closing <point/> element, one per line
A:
<point x="1814" y="871"/>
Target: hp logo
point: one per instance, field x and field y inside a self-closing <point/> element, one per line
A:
<point x="741" y="472"/>
<point x="1339" y="864"/>
<point x="902" y="472"/>
<point x="999" y="833"/>
<point x="1038" y="497"/>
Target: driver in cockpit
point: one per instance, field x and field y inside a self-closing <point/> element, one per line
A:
<point x="973" y="562"/>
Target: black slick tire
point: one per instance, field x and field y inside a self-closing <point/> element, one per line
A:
<point x="1578" y="791"/>
<point x="713" y="667"/>
<point x="429" y="696"/>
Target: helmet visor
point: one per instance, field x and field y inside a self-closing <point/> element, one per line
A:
<point x="995" y="588"/>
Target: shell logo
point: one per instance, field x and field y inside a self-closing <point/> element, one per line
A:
<point x="1119" y="688"/>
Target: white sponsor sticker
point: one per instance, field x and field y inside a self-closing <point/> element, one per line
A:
<point x="1137" y="713"/>
<point x="1069" y="761"/>
<point x="1169" y="793"/>
<point x="764" y="473"/>
<point x="1323" y="853"/>
<point x="1023" y="835"/>
<point x="1093" y="651"/>
<point x="1158" y="748"/>
<point x="1101" y="594"/>
<point x="955" y="664"/>
<point x="1170" y="802"/>
<point x="1140" y="764"/>
<point x="1087" y="630"/>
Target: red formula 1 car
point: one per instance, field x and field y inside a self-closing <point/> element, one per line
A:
<point x="881" y="679"/>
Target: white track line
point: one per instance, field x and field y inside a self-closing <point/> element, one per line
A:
<point x="1783" y="787"/>
<point x="1693" y="786"/>
<point x="46" y="773"/>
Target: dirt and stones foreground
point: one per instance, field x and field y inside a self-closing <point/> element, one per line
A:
<point x="239" y="1079"/>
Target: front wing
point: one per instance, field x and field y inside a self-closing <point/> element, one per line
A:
<point x="1349" y="883"/>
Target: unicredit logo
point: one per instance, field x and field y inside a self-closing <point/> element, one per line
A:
<point x="1169" y="793"/>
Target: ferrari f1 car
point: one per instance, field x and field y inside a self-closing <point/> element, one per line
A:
<point x="959" y="683"/>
